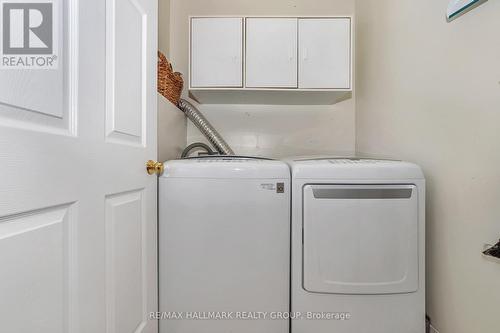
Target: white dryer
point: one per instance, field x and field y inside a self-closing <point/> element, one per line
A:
<point x="224" y="245"/>
<point x="358" y="229"/>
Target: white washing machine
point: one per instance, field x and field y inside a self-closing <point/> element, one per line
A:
<point x="224" y="245"/>
<point x="358" y="229"/>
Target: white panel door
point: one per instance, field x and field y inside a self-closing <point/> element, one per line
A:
<point x="325" y="53"/>
<point x="77" y="209"/>
<point x="271" y="53"/>
<point x="216" y="52"/>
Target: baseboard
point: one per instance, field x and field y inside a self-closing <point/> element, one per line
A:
<point x="433" y="330"/>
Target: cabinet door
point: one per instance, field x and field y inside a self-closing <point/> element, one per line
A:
<point x="271" y="52"/>
<point x="216" y="52"/>
<point x="325" y="53"/>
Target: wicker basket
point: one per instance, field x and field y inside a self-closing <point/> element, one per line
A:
<point x="170" y="83"/>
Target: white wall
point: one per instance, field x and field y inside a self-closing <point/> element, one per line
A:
<point x="429" y="91"/>
<point x="172" y="132"/>
<point x="172" y="127"/>
<point x="267" y="130"/>
<point x="164" y="26"/>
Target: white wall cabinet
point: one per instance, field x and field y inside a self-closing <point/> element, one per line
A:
<point x="325" y="53"/>
<point x="270" y="60"/>
<point x="271" y="53"/>
<point x="216" y="52"/>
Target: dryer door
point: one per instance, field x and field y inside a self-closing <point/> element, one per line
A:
<point x="360" y="239"/>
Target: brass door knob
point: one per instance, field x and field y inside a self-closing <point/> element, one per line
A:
<point x="153" y="167"/>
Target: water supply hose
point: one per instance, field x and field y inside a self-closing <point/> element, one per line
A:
<point x="205" y="127"/>
<point x="191" y="147"/>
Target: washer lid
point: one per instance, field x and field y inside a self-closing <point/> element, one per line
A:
<point x="226" y="167"/>
<point x="353" y="168"/>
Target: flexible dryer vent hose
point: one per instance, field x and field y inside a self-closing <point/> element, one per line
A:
<point x="205" y="127"/>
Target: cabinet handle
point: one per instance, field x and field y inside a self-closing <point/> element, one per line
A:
<point x="304" y="53"/>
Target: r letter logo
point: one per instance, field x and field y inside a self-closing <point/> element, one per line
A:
<point x="29" y="39"/>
